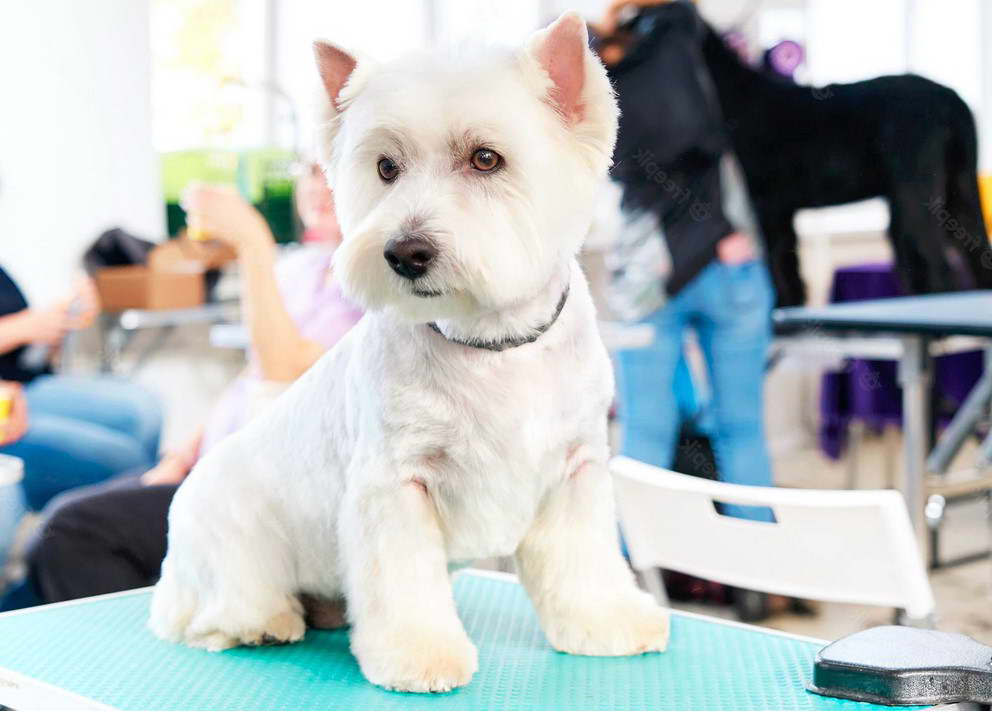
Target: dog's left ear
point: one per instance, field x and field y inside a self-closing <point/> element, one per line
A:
<point x="560" y="50"/>
<point x="578" y="89"/>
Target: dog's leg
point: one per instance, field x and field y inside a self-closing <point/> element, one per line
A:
<point x="226" y="581"/>
<point x="405" y="631"/>
<point x="783" y="256"/>
<point x="572" y="568"/>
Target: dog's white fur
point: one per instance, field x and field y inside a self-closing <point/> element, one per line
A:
<point x="402" y="454"/>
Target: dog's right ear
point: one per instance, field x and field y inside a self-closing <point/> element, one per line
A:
<point x="341" y="79"/>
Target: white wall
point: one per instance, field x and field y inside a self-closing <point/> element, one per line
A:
<point x="382" y="34"/>
<point x="75" y="134"/>
<point x="364" y="27"/>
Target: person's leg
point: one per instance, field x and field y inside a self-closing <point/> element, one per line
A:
<point x="25" y="593"/>
<point x="646" y="379"/>
<point x="111" y="540"/>
<point x="61" y="454"/>
<point x="19" y="596"/>
<point x="114" y="403"/>
<point x="733" y="319"/>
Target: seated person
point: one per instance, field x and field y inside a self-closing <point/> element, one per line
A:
<point x="112" y="537"/>
<point x="80" y="429"/>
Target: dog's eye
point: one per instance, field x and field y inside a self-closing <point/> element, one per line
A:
<point x="388" y="170"/>
<point x="485" y="160"/>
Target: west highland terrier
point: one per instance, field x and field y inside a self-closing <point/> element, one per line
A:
<point x="464" y="417"/>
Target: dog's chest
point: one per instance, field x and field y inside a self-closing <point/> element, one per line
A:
<point x="507" y="436"/>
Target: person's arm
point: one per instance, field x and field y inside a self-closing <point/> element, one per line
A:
<point x="282" y="351"/>
<point x="34" y="326"/>
<point x="739" y="246"/>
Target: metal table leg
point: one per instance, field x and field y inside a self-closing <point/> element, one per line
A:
<point x="111" y="341"/>
<point x="161" y="335"/>
<point x="963" y="423"/>
<point x="914" y="377"/>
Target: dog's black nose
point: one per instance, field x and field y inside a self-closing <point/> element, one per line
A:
<point x="410" y="257"/>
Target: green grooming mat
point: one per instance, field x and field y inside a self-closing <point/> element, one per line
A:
<point x="101" y="650"/>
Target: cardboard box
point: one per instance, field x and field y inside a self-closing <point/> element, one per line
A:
<point x="140" y="287"/>
<point x="209" y="255"/>
<point x="173" y="278"/>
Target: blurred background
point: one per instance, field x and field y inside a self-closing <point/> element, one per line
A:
<point x="113" y="107"/>
<point x="109" y="91"/>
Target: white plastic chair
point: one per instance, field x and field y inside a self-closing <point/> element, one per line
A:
<point x="840" y="546"/>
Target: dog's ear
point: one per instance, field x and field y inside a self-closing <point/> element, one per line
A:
<point x="560" y="50"/>
<point x="574" y="82"/>
<point x="335" y="67"/>
<point x="341" y="78"/>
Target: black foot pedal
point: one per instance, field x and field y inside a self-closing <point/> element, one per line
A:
<point x="904" y="666"/>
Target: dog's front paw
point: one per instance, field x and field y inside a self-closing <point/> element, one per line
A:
<point x="630" y="624"/>
<point x="415" y="658"/>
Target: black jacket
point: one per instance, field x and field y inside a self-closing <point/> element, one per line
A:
<point x="12" y="301"/>
<point x="671" y="137"/>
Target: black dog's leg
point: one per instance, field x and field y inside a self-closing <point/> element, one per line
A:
<point x="918" y="180"/>
<point x="781" y="243"/>
<point x="962" y="221"/>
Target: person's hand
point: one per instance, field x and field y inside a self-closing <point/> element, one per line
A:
<point x="48" y="325"/>
<point x="169" y="471"/>
<point x="84" y="305"/>
<point x="611" y="18"/>
<point x="735" y="248"/>
<point x="14" y="408"/>
<point x="175" y="465"/>
<point x="221" y="213"/>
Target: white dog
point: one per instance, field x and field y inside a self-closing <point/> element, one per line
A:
<point x="464" y="416"/>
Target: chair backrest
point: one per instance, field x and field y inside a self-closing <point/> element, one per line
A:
<point x="842" y="546"/>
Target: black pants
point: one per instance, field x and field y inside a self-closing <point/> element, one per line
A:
<point x="100" y="539"/>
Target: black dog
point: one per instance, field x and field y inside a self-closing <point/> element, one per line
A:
<point x="903" y="138"/>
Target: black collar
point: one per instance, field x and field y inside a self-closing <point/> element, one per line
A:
<point x="504" y="344"/>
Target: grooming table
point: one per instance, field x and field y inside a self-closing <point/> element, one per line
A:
<point x="100" y="649"/>
<point x="907" y="328"/>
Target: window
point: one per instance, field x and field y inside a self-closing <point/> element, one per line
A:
<point x="207" y="71"/>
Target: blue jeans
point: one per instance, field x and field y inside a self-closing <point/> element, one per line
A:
<point x="84" y="430"/>
<point x="730" y="309"/>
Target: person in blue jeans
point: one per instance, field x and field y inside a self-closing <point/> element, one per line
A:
<point x="688" y="253"/>
<point x="727" y="302"/>
<point x="82" y="431"/>
<point x="70" y="431"/>
<point x="687" y="256"/>
<point x="728" y="306"/>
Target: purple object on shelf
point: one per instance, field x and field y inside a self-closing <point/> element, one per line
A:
<point x="786" y="57"/>
<point x="867" y="390"/>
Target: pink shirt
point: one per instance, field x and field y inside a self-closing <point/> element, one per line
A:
<point x="320" y="312"/>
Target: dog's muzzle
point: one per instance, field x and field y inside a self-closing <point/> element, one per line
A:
<point x="410" y="256"/>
